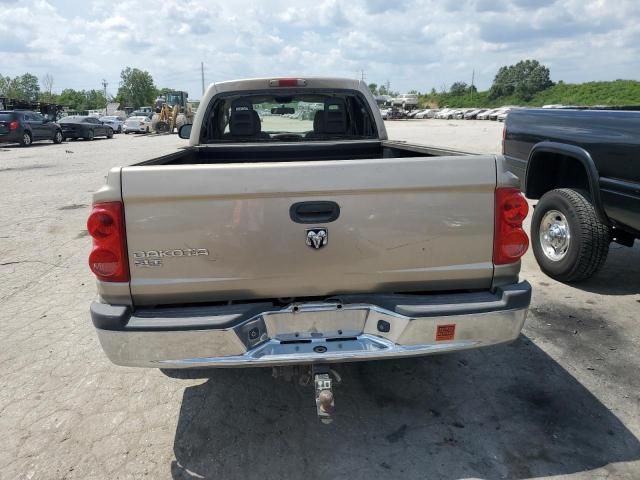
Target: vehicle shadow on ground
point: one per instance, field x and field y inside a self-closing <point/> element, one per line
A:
<point x="620" y="275"/>
<point x="503" y="412"/>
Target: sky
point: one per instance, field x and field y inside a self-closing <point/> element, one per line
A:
<point x="413" y="44"/>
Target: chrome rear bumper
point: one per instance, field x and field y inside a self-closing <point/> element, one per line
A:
<point x="348" y="328"/>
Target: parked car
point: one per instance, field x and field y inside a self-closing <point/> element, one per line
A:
<point x="428" y="113"/>
<point x="444" y="113"/>
<point x="139" y="124"/>
<point x="141" y="113"/>
<point x="406" y="100"/>
<point x="25" y="127"/>
<point x="583" y="167"/>
<point x="499" y="111"/>
<point x="459" y="114"/>
<point x="501" y="117"/>
<point x="86" y="127"/>
<point x="263" y="245"/>
<point x="485" y="115"/>
<point x="473" y="114"/>
<point x="384" y="112"/>
<point x="114" y="122"/>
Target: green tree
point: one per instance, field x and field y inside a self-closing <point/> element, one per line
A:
<point x="458" y="88"/>
<point x="22" y="87"/>
<point x="80" y="100"/>
<point x="165" y="91"/>
<point x="523" y="80"/>
<point x="374" y="88"/>
<point x="29" y="86"/>
<point x="136" y="88"/>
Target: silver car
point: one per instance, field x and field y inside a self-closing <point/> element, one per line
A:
<point x="114" y="122"/>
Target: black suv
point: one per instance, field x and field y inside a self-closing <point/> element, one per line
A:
<point x="25" y="127"/>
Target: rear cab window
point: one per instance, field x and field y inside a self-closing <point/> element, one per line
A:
<point x="265" y="116"/>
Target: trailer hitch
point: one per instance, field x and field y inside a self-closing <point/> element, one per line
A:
<point x="323" y="378"/>
<point x="325" y="402"/>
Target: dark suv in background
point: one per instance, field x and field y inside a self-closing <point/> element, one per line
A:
<point x="25" y="127"/>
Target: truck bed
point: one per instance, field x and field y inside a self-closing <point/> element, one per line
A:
<point x="299" y="152"/>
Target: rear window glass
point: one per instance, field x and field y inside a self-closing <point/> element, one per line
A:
<point x="287" y="117"/>
<point x="7" y="116"/>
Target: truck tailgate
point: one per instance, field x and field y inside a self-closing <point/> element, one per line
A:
<point x="199" y="233"/>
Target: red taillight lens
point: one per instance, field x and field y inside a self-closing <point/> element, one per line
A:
<point x="510" y="241"/>
<point x="108" y="258"/>
<point x="14" y="125"/>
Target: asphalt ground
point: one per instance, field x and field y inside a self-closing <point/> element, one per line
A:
<point x="563" y="401"/>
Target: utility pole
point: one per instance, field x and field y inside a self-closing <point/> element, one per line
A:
<point x="363" y="77"/>
<point x="202" y="72"/>
<point x="473" y="77"/>
<point x="104" y="89"/>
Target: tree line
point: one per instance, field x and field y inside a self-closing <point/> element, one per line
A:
<point x="528" y="82"/>
<point x="136" y="89"/>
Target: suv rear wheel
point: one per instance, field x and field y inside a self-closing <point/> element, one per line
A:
<point x="89" y="135"/>
<point x="568" y="239"/>
<point x="58" y="138"/>
<point x="26" y="140"/>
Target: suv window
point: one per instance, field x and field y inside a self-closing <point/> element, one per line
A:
<point x="36" y="117"/>
<point x="8" y="116"/>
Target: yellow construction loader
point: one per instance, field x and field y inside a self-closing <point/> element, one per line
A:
<point x="172" y="110"/>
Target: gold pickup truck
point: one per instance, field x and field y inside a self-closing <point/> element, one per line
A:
<point x="291" y="231"/>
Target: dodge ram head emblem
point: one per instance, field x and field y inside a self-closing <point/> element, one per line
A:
<point x="317" y="237"/>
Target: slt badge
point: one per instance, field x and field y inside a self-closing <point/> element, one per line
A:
<point x="317" y="237"/>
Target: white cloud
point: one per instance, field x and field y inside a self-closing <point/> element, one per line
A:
<point x="413" y="43"/>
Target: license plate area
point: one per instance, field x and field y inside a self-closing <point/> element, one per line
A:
<point x="308" y="322"/>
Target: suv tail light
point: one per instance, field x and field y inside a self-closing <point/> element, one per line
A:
<point x="14" y="125"/>
<point x="510" y="241"/>
<point x="108" y="258"/>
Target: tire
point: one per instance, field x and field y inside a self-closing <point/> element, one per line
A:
<point x="119" y="128"/>
<point x="26" y="139"/>
<point x="57" y="137"/>
<point x="109" y="133"/>
<point x="90" y="136"/>
<point x="574" y="243"/>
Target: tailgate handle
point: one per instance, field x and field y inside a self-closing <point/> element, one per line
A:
<point x="314" y="212"/>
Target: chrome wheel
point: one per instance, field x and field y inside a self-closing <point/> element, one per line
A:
<point x="26" y="139"/>
<point x="555" y="236"/>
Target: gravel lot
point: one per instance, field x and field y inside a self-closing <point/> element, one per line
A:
<point x="563" y="400"/>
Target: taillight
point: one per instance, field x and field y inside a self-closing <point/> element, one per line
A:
<point x="510" y="240"/>
<point x="14" y="125"/>
<point x="108" y="258"/>
<point x="288" y="82"/>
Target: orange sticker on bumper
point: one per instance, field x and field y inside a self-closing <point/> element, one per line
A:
<point x="445" y="332"/>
